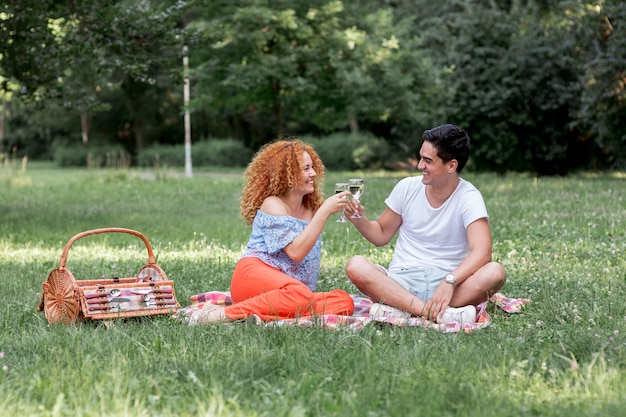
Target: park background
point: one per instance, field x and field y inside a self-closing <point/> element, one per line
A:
<point x="538" y="84"/>
<point x="92" y="136"/>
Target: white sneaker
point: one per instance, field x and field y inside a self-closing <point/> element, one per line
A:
<point x="461" y="315"/>
<point x="381" y="311"/>
<point x="253" y="319"/>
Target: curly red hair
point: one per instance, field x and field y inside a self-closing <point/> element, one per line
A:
<point x="276" y="168"/>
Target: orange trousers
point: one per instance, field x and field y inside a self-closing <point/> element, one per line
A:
<point x="257" y="288"/>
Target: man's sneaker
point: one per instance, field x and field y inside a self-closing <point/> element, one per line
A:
<point x="461" y="315"/>
<point x="382" y="311"/>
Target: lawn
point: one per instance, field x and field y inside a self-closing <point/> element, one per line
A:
<point x="561" y="240"/>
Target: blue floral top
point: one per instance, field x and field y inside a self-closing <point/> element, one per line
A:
<point x="270" y="234"/>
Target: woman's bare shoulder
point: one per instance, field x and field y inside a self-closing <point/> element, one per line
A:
<point x="275" y="206"/>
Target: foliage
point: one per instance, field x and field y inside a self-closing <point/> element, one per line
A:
<point x="603" y="106"/>
<point x="321" y="62"/>
<point x="346" y="151"/>
<point x="560" y="239"/>
<point x="73" y="54"/>
<point x="87" y="43"/>
<point x="212" y="153"/>
<point x="36" y="133"/>
<point x="512" y="84"/>
<point x="539" y="85"/>
<point x="103" y="156"/>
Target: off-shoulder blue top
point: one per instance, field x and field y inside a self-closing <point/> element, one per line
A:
<point x="270" y="234"/>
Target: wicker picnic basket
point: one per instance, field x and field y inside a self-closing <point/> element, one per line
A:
<point x="66" y="300"/>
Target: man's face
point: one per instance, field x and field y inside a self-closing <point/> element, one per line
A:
<point x="432" y="167"/>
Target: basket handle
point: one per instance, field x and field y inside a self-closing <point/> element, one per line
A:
<point x="63" y="261"/>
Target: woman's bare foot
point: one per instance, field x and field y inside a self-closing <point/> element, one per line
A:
<point x="208" y="314"/>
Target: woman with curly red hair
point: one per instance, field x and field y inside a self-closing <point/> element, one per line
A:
<point x="277" y="275"/>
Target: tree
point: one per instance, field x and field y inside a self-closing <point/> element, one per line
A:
<point x="539" y="84"/>
<point x="604" y="80"/>
<point x="327" y="64"/>
<point x="512" y="83"/>
<point x="72" y="51"/>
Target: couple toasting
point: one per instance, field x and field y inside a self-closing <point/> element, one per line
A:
<point x="441" y="266"/>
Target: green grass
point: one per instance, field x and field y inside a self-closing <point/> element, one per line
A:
<point x="562" y="241"/>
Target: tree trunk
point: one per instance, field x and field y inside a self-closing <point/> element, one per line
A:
<point x="84" y="127"/>
<point x="278" y="109"/>
<point x="3" y="116"/>
<point x="139" y="143"/>
<point x="354" y="124"/>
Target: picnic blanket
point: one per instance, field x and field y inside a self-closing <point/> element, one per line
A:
<point x="361" y="318"/>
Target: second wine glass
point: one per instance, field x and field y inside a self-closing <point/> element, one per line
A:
<point x="357" y="186"/>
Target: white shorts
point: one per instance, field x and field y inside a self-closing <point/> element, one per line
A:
<point x="419" y="281"/>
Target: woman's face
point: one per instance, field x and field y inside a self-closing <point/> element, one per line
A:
<point x="309" y="174"/>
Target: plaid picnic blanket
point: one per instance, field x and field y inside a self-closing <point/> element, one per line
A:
<point x="361" y="317"/>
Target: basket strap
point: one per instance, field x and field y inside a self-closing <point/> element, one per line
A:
<point x="63" y="261"/>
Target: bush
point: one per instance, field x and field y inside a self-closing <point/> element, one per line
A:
<point x="339" y="151"/>
<point x="92" y="156"/>
<point x="224" y="153"/>
<point x="346" y="151"/>
<point x="162" y="155"/>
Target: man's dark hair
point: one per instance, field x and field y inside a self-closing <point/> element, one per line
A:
<point x="451" y="142"/>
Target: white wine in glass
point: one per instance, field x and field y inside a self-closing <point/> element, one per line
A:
<point x="339" y="188"/>
<point x="357" y="186"/>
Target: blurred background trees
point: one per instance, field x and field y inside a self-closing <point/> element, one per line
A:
<point x="538" y="84"/>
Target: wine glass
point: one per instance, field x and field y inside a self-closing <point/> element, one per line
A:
<point x="357" y="186"/>
<point x="339" y="188"/>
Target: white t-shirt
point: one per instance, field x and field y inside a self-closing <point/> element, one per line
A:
<point x="433" y="237"/>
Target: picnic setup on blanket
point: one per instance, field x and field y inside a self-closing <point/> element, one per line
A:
<point x="361" y="316"/>
<point x="67" y="300"/>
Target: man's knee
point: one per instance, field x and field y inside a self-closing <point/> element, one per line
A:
<point x="355" y="267"/>
<point x="496" y="274"/>
<point x="498" y="271"/>
<point x="361" y="271"/>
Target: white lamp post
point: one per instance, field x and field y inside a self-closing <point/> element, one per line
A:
<point x="188" y="171"/>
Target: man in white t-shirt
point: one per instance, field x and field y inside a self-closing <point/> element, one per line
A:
<point x="441" y="267"/>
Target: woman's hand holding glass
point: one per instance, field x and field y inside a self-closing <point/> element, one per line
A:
<point x="342" y="187"/>
<point x="352" y="207"/>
